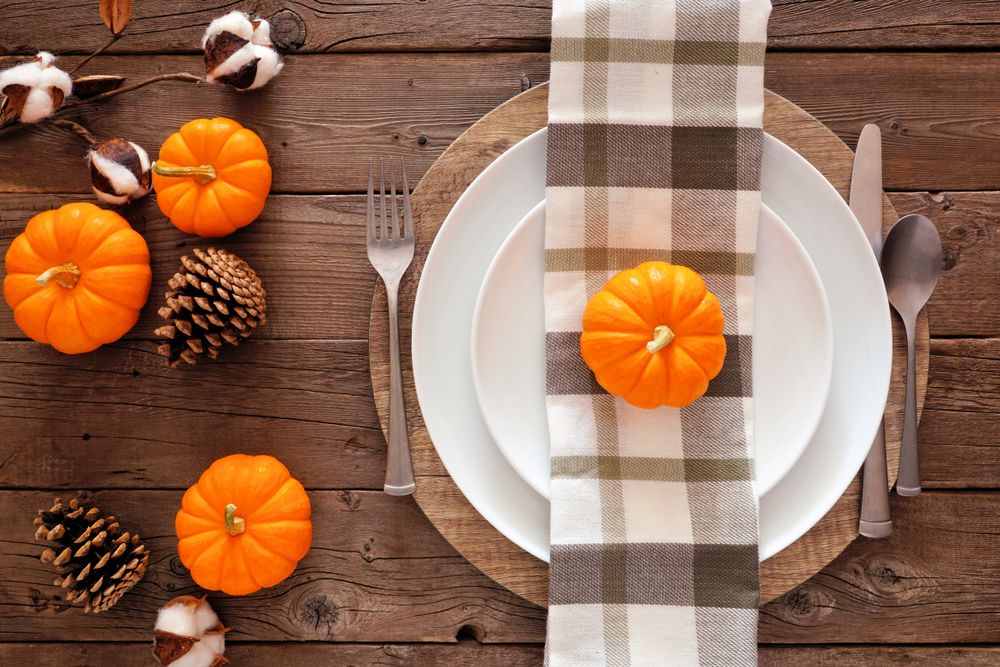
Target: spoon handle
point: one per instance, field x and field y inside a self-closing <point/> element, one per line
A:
<point x="908" y="482"/>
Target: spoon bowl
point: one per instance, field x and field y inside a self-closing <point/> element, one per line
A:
<point x="911" y="265"/>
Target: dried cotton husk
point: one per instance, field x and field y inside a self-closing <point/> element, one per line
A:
<point x="189" y="634"/>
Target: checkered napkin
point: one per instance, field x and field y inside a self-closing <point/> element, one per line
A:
<point x="654" y="153"/>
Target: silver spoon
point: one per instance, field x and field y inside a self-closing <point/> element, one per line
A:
<point x="911" y="264"/>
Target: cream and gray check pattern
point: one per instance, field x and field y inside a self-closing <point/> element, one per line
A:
<point x="654" y="153"/>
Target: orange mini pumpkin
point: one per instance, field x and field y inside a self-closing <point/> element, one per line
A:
<point x="244" y="526"/>
<point x="77" y="277"/>
<point x="653" y="336"/>
<point x="212" y="177"/>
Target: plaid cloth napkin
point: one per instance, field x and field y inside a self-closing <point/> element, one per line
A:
<point x="654" y="152"/>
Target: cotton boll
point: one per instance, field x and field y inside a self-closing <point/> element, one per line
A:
<point x="235" y="22"/>
<point x="238" y="52"/>
<point x="119" y="171"/>
<point x="35" y="89"/>
<point x="268" y="66"/>
<point x="37" y="106"/>
<point x="181" y="620"/>
<point x="262" y="33"/>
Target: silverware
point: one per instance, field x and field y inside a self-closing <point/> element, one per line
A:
<point x="866" y="204"/>
<point x="390" y="250"/>
<point x="911" y="264"/>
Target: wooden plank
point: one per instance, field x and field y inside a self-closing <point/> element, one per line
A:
<point x="309" y="251"/>
<point x="310" y="25"/>
<point x="325" y="116"/>
<point x="321" y="120"/>
<point x="118" y="418"/>
<point x="936" y="579"/>
<point x="958" y="445"/>
<point x="447" y="25"/>
<point x="884" y="656"/>
<point x="887" y="24"/>
<point x="471" y="654"/>
<point x="377" y="571"/>
<point x="928" y="131"/>
<point x="302" y="654"/>
<point x="969" y="224"/>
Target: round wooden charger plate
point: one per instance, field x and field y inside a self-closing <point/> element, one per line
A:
<point x="439" y="497"/>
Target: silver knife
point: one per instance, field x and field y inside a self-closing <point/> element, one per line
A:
<point x="866" y="204"/>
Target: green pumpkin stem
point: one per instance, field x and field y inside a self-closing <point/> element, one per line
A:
<point x="203" y="174"/>
<point x="234" y="524"/>
<point x="69" y="273"/>
<point x="662" y="336"/>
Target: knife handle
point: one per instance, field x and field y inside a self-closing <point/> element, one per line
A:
<point x="875" y="517"/>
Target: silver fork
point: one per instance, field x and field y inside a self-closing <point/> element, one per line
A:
<point x="390" y="250"/>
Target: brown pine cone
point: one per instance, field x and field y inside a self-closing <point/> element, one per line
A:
<point x="95" y="560"/>
<point x="215" y="297"/>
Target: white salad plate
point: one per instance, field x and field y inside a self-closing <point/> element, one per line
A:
<point x="449" y="288"/>
<point x="792" y="351"/>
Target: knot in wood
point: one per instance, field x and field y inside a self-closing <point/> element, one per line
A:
<point x="177" y="567"/>
<point x="949" y="259"/>
<point x="807" y="603"/>
<point x="886" y="577"/>
<point x="320" y="614"/>
<point x="288" y="30"/>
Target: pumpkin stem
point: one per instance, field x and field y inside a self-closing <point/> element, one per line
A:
<point x="69" y="273"/>
<point x="203" y="174"/>
<point x="662" y="336"/>
<point x="234" y="524"/>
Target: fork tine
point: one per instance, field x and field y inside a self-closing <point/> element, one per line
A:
<point x="371" y="204"/>
<point x="381" y="200"/>
<point x="395" y="213"/>
<point x="407" y="214"/>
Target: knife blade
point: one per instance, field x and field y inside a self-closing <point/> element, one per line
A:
<point x="866" y="204"/>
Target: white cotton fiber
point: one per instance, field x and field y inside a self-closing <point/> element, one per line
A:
<point x="268" y="66"/>
<point x="236" y="22"/>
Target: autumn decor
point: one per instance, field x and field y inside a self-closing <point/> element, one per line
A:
<point x="119" y="171"/>
<point x="244" y="526"/>
<point x="34" y="89"/>
<point x="653" y="335"/>
<point x="214" y="298"/>
<point x="97" y="562"/>
<point x="189" y="634"/>
<point x="238" y="52"/>
<point x="212" y="177"/>
<point x="77" y="277"/>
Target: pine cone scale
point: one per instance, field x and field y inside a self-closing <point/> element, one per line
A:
<point x="202" y="320"/>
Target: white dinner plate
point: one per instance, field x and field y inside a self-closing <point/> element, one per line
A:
<point x="792" y="352"/>
<point x="449" y="287"/>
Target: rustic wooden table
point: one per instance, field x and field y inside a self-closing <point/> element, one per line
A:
<point x="381" y="586"/>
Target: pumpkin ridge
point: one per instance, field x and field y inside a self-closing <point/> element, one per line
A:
<point x="69" y="307"/>
<point x="260" y="546"/>
<point x="613" y="298"/>
<point x="612" y="289"/>
<point x="48" y="298"/>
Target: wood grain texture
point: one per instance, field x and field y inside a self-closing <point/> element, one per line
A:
<point x="311" y="26"/>
<point x="958" y="443"/>
<point x="321" y="119"/>
<point x="437" y="494"/>
<point x="471" y="654"/>
<point x="887" y="24"/>
<point x="309" y="252"/>
<point x="326" y="115"/>
<point x="376" y="569"/>
<point x="936" y="579"/>
<point x="964" y="303"/>
<point x="448" y="25"/>
<point x="884" y="656"/>
<point x="118" y="418"/>
<point x="928" y="131"/>
<point x="311" y="654"/>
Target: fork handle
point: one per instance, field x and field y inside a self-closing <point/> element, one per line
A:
<point x="399" y="479"/>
